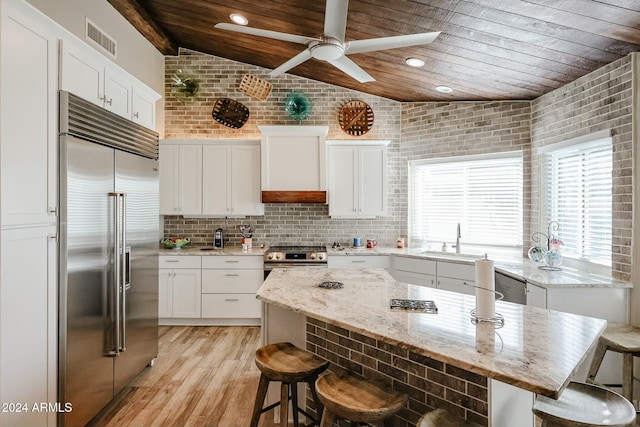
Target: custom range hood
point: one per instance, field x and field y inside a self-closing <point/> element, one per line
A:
<point x="293" y="164"/>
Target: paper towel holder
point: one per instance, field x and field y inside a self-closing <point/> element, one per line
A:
<point x="498" y="319"/>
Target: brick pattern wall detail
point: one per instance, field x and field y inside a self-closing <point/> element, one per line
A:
<point x="600" y="100"/>
<point x="429" y="383"/>
<point x="289" y="223"/>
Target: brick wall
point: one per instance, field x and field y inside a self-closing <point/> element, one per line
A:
<point x="429" y="383"/>
<point x="598" y="101"/>
<point x="289" y="222"/>
<point x="432" y="130"/>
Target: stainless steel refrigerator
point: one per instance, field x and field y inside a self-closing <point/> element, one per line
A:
<point x="108" y="284"/>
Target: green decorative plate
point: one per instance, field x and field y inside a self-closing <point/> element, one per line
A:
<point x="298" y="106"/>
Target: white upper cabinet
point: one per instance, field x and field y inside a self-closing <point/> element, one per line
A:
<point x="90" y="75"/>
<point x="180" y="179"/>
<point x="357" y="178"/>
<point x="231" y="180"/>
<point x="212" y="178"/>
<point x="29" y="106"/>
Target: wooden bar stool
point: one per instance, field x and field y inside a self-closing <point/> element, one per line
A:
<point x="623" y="339"/>
<point x="290" y="365"/>
<point x="442" y="418"/>
<point x="356" y="399"/>
<point x="585" y="405"/>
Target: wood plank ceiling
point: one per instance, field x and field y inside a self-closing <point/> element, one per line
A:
<point x="487" y="49"/>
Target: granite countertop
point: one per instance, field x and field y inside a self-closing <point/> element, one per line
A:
<point x="209" y="251"/>
<point x="522" y="268"/>
<point x="537" y="350"/>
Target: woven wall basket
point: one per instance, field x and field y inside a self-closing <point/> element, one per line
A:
<point x="255" y="87"/>
<point x="230" y="113"/>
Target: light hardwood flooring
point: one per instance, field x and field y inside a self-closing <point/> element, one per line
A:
<point x="204" y="376"/>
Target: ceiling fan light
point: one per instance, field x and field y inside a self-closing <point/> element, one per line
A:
<point x="414" y="62"/>
<point x="444" y="89"/>
<point x="239" y="19"/>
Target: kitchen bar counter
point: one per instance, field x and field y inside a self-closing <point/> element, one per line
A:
<point x="536" y="350"/>
<point x="522" y="268"/>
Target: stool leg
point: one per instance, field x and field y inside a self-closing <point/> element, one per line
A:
<point x="328" y="418"/>
<point x="284" y="405"/>
<point x="294" y="403"/>
<point x="598" y="355"/>
<point x="627" y="376"/>
<point x="314" y="395"/>
<point x="260" y="395"/>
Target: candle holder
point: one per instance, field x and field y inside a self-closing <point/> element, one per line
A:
<point x="550" y="254"/>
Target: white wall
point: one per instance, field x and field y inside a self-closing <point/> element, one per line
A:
<point x="135" y="54"/>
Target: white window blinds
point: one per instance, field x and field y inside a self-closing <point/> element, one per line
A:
<point x="483" y="194"/>
<point x="578" y="197"/>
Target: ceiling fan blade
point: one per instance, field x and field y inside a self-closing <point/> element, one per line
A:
<point x="349" y="67"/>
<point x="293" y="62"/>
<point x="370" y="45"/>
<point x="335" y="18"/>
<point x="266" y="33"/>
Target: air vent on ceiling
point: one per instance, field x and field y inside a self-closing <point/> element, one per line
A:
<point x="100" y="38"/>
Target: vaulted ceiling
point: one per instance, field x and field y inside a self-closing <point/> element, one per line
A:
<point x="487" y="49"/>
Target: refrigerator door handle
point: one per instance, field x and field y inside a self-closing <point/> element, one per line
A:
<point x="116" y="275"/>
<point x="124" y="274"/>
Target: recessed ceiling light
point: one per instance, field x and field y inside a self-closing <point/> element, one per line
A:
<point x="444" y="89"/>
<point x="414" y="62"/>
<point x="239" y="19"/>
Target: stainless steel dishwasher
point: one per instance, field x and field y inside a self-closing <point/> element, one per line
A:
<point x="514" y="290"/>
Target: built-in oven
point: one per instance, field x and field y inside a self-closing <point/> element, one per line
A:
<point x="294" y="257"/>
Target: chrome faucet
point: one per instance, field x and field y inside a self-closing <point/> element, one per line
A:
<point x="458" y="236"/>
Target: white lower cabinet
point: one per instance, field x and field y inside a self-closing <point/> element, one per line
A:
<point x="180" y="287"/>
<point x="456" y="277"/>
<point x="416" y="271"/>
<point x="28" y="325"/>
<point x="360" y="261"/>
<point x="229" y="286"/>
<point x="210" y="290"/>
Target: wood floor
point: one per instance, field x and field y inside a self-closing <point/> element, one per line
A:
<point x="204" y="376"/>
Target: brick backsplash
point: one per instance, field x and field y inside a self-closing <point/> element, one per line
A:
<point x="429" y="383"/>
<point x="598" y="101"/>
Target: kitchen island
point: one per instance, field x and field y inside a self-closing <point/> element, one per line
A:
<point x="484" y="373"/>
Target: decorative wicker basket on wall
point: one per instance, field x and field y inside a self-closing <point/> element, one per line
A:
<point x="356" y="118"/>
<point x="255" y="87"/>
<point x="230" y="113"/>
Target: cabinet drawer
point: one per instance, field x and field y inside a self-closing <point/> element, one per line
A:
<point x="414" y="265"/>
<point x="179" y="261"/>
<point x="456" y="271"/>
<point x="233" y="262"/>
<point x="416" y="278"/>
<point x="230" y="306"/>
<point x="457" y="285"/>
<point x="231" y="281"/>
<point x="359" y="261"/>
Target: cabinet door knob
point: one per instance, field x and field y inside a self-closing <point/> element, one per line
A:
<point x="136" y="115"/>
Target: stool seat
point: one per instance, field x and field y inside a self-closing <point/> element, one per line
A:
<point x="285" y="362"/>
<point x="442" y="418"/>
<point x="356" y="399"/>
<point x="620" y="338"/>
<point x="585" y="405"/>
<point x="290" y="365"/>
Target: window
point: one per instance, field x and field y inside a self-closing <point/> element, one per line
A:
<point x="482" y="193"/>
<point x="577" y="194"/>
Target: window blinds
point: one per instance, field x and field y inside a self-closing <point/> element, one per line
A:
<point x="483" y="195"/>
<point x="578" y="197"/>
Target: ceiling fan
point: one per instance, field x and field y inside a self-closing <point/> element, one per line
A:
<point x="331" y="47"/>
